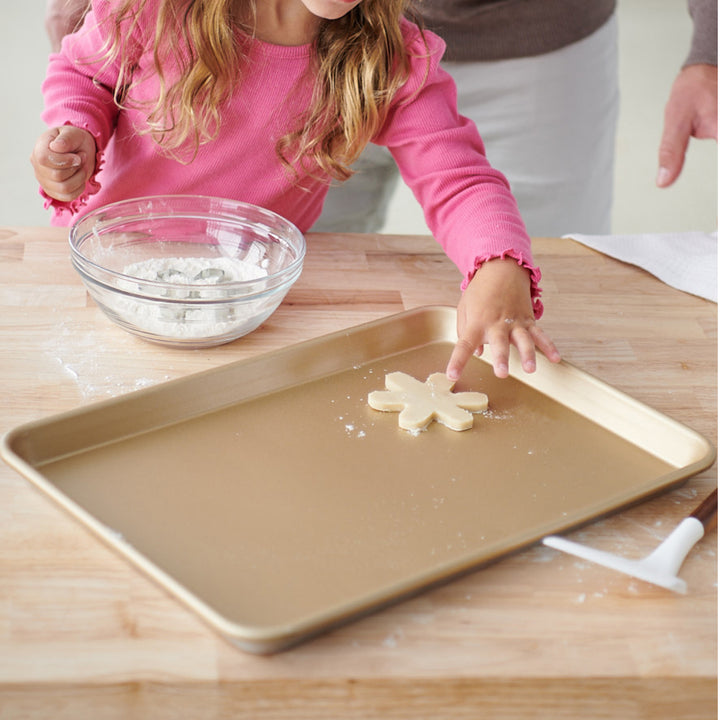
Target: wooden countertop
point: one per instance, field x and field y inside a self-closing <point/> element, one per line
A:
<point x="537" y="635"/>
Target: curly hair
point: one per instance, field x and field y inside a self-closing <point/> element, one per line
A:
<point x="359" y="62"/>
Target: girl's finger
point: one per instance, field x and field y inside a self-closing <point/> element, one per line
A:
<point x="61" y="176"/>
<point x="523" y="341"/>
<point x="64" y="161"/>
<point x="66" y="190"/>
<point x="499" y="350"/>
<point x="66" y="139"/>
<point x="471" y="336"/>
<point x="544" y="344"/>
<point x="462" y="352"/>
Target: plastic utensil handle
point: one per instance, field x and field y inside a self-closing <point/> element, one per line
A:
<point x="705" y="511"/>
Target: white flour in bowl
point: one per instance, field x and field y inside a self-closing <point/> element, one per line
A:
<point x="198" y="271"/>
<point x="186" y="321"/>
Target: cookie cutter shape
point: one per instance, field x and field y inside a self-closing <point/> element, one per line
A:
<point x="420" y="403"/>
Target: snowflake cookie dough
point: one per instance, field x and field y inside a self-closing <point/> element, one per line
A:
<point x="420" y="403"/>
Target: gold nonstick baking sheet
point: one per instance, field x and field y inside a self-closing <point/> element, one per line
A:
<point x="269" y="497"/>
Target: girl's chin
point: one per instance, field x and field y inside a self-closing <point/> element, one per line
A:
<point x="330" y="9"/>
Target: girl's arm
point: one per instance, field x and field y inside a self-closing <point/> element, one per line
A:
<point x="470" y="210"/>
<point x="80" y="112"/>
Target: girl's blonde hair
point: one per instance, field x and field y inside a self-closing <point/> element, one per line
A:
<point x="361" y="61"/>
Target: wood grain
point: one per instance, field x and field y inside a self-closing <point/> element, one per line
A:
<point x="538" y="635"/>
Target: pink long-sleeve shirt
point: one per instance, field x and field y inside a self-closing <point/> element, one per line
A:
<point x="467" y="204"/>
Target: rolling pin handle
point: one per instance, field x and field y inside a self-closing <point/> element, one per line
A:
<point x="707" y="509"/>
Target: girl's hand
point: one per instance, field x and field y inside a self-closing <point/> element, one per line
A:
<point x="496" y="309"/>
<point x="64" y="160"/>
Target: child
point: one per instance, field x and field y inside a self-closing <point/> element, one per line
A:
<point x="268" y="101"/>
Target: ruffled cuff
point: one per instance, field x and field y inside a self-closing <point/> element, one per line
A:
<point x="91" y="186"/>
<point x="535" y="275"/>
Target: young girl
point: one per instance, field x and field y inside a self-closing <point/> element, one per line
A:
<point x="268" y="101"/>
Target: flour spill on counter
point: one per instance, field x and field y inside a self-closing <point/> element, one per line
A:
<point x="82" y="356"/>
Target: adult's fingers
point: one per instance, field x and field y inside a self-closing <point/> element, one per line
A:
<point x="671" y="155"/>
<point x="691" y="111"/>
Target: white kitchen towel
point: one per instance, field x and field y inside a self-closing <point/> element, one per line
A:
<point x="687" y="261"/>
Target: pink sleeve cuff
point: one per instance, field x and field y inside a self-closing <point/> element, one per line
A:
<point x="535" y="276"/>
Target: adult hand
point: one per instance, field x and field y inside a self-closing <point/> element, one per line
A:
<point x="691" y="111"/>
<point x="496" y="309"/>
<point x="64" y="160"/>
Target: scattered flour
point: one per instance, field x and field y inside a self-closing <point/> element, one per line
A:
<point x="91" y="363"/>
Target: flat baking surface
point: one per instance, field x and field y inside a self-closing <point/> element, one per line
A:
<point x="272" y="499"/>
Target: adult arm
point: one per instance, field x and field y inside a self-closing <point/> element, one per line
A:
<point x="691" y="110"/>
<point x="63" y="17"/>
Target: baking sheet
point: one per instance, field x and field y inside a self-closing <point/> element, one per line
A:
<point x="271" y="499"/>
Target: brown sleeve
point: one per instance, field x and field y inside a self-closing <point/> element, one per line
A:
<point x="703" y="48"/>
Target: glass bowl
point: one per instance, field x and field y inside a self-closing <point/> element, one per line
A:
<point x="186" y="270"/>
